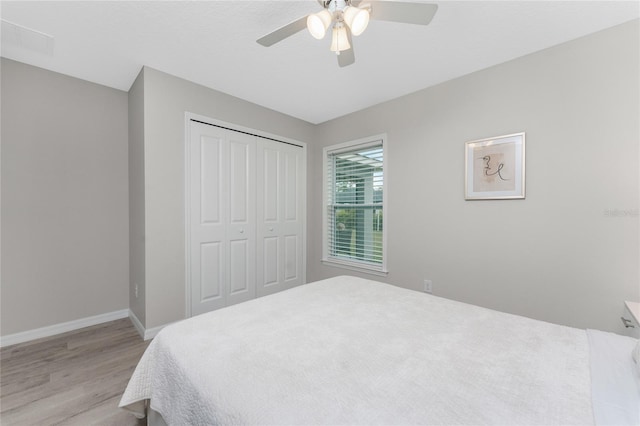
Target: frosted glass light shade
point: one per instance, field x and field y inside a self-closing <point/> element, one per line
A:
<point x="317" y="23"/>
<point x="357" y="19"/>
<point x="339" y="39"/>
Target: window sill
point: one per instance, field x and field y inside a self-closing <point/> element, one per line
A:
<point x="355" y="267"/>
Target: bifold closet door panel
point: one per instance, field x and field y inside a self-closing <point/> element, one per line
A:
<point x="222" y="217"/>
<point x="280" y="169"/>
<point x="242" y="218"/>
<point x="208" y="219"/>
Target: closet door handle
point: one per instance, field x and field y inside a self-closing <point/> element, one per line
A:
<point x="241" y="231"/>
<point x="271" y="229"/>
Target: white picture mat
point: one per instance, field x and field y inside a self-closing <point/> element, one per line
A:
<point x="506" y="174"/>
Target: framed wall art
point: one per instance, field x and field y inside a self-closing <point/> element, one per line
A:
<point x="494" y="168"/>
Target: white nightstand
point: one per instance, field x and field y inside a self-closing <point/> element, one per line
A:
<point x="631" y="318"/>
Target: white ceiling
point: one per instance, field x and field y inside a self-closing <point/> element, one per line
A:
<point x="213" y="43"/>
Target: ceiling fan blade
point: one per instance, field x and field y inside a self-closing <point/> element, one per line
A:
<point x="395" y="11"/>
<point x="283" y="32"/>
<point x="347" y="57"/>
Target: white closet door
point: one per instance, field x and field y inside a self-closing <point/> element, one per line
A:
<point x="280" y="223"/>
<point x="222" y="222"/>
<point x="241" y="228"/>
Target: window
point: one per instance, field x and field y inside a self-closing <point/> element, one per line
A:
<point x="354" y="231"/>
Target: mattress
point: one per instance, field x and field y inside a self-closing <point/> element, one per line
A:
<point x="353" y="351"/>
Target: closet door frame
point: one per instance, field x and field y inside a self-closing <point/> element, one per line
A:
<point x="189" y="117"/>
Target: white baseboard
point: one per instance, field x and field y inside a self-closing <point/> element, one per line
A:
<point x="52" y="330"/>
<point x="151" y="332"/>
<point x="136" y="323"/>
<point x="146" y="334"/>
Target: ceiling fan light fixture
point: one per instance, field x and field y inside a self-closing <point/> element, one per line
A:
<point x="357" y="19"/>
<point x="317" y="23"/>
<point x="339" y="39"/>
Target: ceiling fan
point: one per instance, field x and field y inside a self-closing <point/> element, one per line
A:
<point x="351" y="17"/>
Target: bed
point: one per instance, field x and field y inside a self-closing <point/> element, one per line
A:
<point x="353" y="351"/>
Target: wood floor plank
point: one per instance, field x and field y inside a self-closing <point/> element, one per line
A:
<point x="106" y="414"/>
<point x="62" y="380"/>
<point x="75" y="378"/>
<point x="19" y="384"/>
<point x="52" y="359"/>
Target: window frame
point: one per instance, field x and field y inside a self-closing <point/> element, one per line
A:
<point x="353" y="264"/>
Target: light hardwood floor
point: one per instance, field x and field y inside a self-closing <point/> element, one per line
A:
<point x="76" y="378"/>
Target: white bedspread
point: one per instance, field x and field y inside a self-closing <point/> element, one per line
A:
<point x="354" y="351"/>
<point x="615" y="385"/>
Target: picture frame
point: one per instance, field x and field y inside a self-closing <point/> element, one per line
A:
<point x="495" y="168"/>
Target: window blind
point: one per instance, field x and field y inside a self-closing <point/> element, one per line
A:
<point x="355" y="204"/>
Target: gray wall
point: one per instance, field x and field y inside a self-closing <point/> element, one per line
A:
<point x="557" y="255"/>
<point x="67" y="202"/>
<point x="136" y="199"/>
<point x="64" y="199"/>
<point x="166" y="99"/>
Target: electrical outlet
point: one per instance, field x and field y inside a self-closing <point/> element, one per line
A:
<point x="428" y="286"/>
<point x="135" y="289"/>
